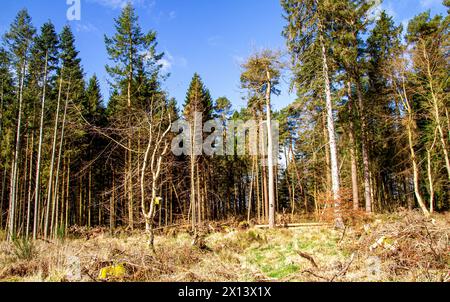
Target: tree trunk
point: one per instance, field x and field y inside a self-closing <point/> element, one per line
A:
<point x="415" y="169"/>
<point x="38" y="164"/>
<point x="409" y="129"/>
<point x="249" y="203"/>
<point x="353" y="156"/>
<point x="270" y="155"/>
<point x="339" y="223"/>
<point x="30" y="178"/>
<point x="365" y="153"/>
<point x="52" y="162"/>
<point x="328" y="185"/>
<point x="193" y="165"/>
<point x="436" y="114"/>
<point x="12" y="210"/>
<point x="112" y="210"/>
<point x="61" y="142"/>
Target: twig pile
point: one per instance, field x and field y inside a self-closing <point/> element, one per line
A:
<point x="410" y="242"/>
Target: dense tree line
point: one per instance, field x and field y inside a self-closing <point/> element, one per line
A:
<point x="369" y="130"/>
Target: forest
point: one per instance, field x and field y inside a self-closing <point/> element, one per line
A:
<point x="359" y="168"/>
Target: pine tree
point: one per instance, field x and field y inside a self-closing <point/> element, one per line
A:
<point x="261" y="75"/>
<point x="18" y="40"/>
<point x="132" y="51"/>
<point x="6" y="124"/>
<point x="45" y="58"/>
<point x="72" y="144"/>
<point x="197" y="110"/>
<point x="384" y="43"/>
<point x="309" y="42"/>
<point x="429" y="37"/>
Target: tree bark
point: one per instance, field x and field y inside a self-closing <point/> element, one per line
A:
<point x="270" y="155"/>
<point x="353" y="158"/>
<point x="436" y="114"/>
<point x="365" y="152"/>
<point x="11" y="230"/>
<point x="52" y="162"/>
<point x="339" y="223"/>
<point x="38" y="165"/>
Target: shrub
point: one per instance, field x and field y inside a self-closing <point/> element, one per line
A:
<point x="24" y="249"/>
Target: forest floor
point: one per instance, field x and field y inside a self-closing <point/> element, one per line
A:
<point x="396" y="247"/>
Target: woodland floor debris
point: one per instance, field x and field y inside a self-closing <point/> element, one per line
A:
<point x="400" y="247"/>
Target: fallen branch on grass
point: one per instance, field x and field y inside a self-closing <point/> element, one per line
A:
<point x="343" y="271"/>
<point x="309" y="258"/>
<point x="315" y="275"/>
<point x="293" y="225"/>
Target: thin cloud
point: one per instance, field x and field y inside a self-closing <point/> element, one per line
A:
<point x="430" y="3"/>
<point x="169" y="61"/>
<point x="172" y="15"/>
<point x="119" y="4"/>
<point x="86" y="27"/>
<point x="214" y="41"/>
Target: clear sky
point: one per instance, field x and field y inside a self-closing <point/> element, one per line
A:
<point x="210" y="37"/>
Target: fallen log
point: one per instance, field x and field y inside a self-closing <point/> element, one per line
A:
<point x="293" y="225"/>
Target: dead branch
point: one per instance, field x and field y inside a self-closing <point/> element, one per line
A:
<point x="309" y="258"/>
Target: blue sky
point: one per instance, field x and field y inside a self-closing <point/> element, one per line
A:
<point x="205" y="36"/>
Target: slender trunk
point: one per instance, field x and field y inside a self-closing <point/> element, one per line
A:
<point x="30" y="178"/>
<point x="430" y="174"/>
<point x="129" y="157"/>
<point x="258" y="199"/>
<point x="251" y="190"/>
<point x="430" y="181"/>
<point x="299" y="179"/>
<point x="11" y="230"/>
<point x="270" y="153"/>
<point x="365" y="153"/>
<point x="193" y="161"/>
<point x="1" y="109"/>
<point x="112" y="210"/>
<point x="89" y="223"/>
<point x="38" y="164"/>
<point x="80" y="201"/>
<point x="2" y="197"/>
<point x="409" y="128"/>
<point x="332" y="137"/>
<point x="61" y="141"/>
<point x="199" y="197"/>
<point x="353" y="159"/>
<point x="66" y="224"/>
<point x="265" y="200"/>
<point x="288" y="184"/>
<point x="51" y="200"/>
<point x="436" y="113"/>
<point x="415" y="169"/>
<point x="4" y="168"/>
<point x="328" y="184"/>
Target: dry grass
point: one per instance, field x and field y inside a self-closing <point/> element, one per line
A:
<point x="413" y="249"/>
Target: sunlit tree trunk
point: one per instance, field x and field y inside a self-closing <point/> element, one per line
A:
<point x="365" y="152"/>
<point x="38" y="164"/>
<point x="51" y="200"/>
<point x="332" y="138"/>
<point x="409" y="129"/>
<point x="270" y="155"/>
<point x="353" y="156"/>
<point x="436" y="113"/>
<point x="12" y="207"/>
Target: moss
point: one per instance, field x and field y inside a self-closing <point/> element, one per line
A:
<point x="283" y="271"/>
